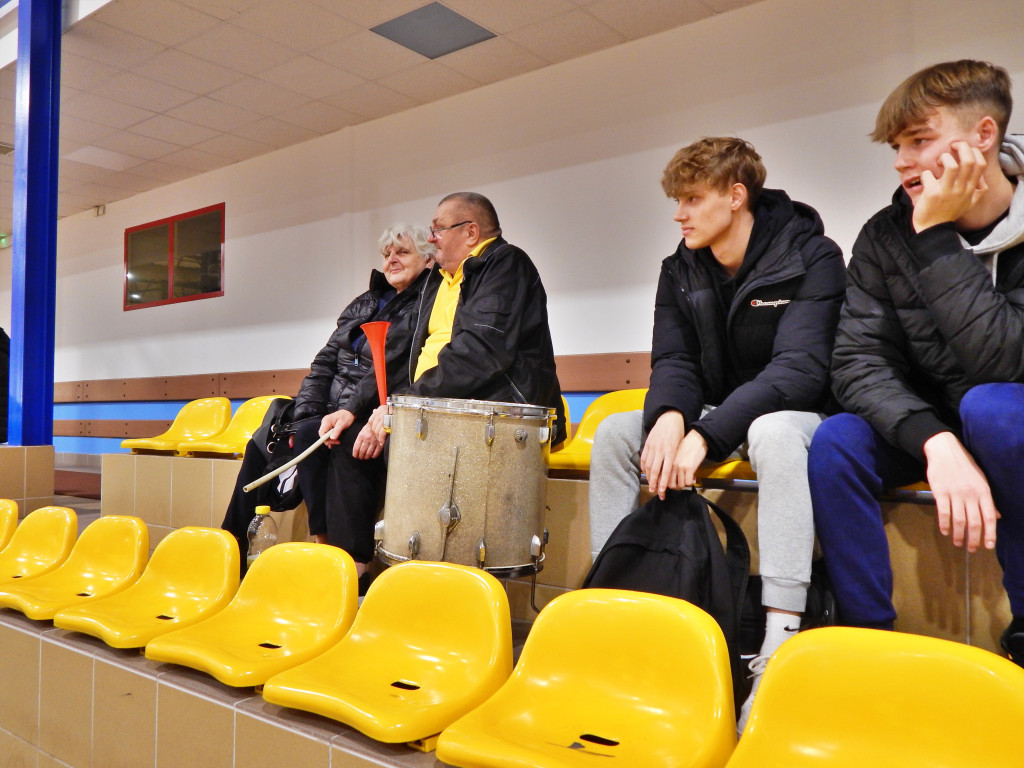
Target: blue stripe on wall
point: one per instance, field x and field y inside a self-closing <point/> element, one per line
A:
<point x="94" y="445"/>
<point x="578" y="403"/>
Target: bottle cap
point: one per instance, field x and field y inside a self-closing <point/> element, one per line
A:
<point x="263" y="510"/>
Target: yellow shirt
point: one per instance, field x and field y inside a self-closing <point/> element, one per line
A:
<point x="442" y="314"/>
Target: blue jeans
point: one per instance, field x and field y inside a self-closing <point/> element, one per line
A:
<point x="850" y="464"/>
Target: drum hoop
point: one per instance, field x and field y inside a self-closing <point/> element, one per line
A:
<point x="475" y="407"/>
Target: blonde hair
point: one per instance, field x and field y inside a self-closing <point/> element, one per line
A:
<point x="717" y="162"/>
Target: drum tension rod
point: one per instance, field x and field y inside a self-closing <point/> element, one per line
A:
<point x="448" y="515"/>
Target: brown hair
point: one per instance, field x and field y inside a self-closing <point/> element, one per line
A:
<point x="717" y="162"/>
<point x="973" y="89"/>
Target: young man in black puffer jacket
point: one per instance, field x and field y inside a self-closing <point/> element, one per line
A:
<point x="929" y="359"/>
<point x="744" y="321"/>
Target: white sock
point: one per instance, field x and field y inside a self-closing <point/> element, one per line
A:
<point x="780" y="627"/>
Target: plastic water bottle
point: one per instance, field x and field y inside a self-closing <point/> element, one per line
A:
<point x="262" y="534"/>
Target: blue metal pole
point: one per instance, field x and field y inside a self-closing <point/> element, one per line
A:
<point x="34" y="235"/>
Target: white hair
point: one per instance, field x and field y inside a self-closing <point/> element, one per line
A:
<point x="414" y="234"/>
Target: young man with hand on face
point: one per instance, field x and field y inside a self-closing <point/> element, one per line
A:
<point x="929" y="358"/>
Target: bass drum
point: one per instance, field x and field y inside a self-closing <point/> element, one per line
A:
<point x="466" y="484"/>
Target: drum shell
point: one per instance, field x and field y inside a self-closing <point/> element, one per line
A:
<point x="499" y="484"/>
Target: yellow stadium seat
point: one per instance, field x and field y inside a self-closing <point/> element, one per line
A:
<point x="40" y="543"/>
<point x="196" y="420"/>
<point x="109" y="556"/>
<point x="639" y="678"/>
<point x="431" y="641"/>
<point x="233" y="440"/>
<point x="731" y="469"/>
<point x="8" y="521"/>
<point x="192" y="574"/>
<point x="296" y="601"/>
<point x="843" y="697"/>
<point x="575" y="453"/>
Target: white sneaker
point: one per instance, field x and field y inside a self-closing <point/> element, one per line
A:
<point x="756" y="667"/>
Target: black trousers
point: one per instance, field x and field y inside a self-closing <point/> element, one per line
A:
<point x="355" y="494"/>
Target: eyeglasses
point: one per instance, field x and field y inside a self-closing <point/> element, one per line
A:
<point x="435" y="230"/>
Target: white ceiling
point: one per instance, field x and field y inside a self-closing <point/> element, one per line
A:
<point x="155" y="91"/>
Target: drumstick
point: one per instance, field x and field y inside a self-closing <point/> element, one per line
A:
<point x="287" y="465"/>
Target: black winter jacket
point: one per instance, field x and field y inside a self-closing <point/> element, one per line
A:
<point x="769" y="350"/>
<point x="922" y="324"/>
<point x="340" y="378"/>
<point x="500" y="348"/>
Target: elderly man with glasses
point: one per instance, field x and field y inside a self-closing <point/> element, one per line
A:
<point x="481" y="333"/>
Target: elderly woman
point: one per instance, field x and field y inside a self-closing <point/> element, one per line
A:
<point x="341" y="375"/>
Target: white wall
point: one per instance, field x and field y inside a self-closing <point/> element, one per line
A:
<point x="572" y="158"/>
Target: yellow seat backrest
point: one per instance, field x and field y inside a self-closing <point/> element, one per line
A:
<point x="110" y="555"/>
<point x="430" y="642"/>
<point x="640" y="678"/>
<point x="247" y="419"/>
<point x="575" y="453"/>
<point x="842" y="696"/>
<point x="196" y="420"/>
<point x="192" y="574"/>
<point x="39" y="544"/>
<point x="297" y="599"/>
<point x="8" y="520"/>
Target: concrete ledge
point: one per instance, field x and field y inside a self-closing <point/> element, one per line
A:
<point x="71" y="700"/>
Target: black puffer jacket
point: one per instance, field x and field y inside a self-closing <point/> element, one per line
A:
<point x="769" y="350"/>
<point x="898" y="364"/>
<point x="340" y="378"/>
<point x="501" y="345"/>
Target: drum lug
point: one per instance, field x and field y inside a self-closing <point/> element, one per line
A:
<point x="421" y="425"/>
<point x="414" y="545"/>
<point x="481" y="553"/>
<point x="449" y="516"/>
<point x="536" y="546"/>
<point x="386" y="421"/>
<point x="489" y="430"/>
<point x="378" y="531"/>
<point x="544" y="434"/>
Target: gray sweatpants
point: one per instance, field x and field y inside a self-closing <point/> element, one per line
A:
<point x="777" y="445"/>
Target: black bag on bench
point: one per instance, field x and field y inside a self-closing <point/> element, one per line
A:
<point x="672" y="548"/>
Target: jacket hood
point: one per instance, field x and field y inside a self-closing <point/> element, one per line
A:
<point x="777" y="216"/>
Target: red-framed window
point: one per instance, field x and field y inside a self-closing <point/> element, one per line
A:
<point x="180" y="258"/>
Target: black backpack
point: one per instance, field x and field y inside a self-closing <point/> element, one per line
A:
<point x="672" y="548"/>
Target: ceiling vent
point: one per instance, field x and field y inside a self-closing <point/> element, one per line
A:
<point x="433" y="31"/>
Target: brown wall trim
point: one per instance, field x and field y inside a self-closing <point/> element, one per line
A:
<point x="576" y="373"/>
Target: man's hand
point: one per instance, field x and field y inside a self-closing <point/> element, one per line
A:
<point x="367" y="446"/>
<point x="950" y="197"/>
<point x="334" y="424"/>
<point x="660" y="450"/>
<point x="962" y="495"/>
<point x="376" y="422"/>
<point x="691" y="454"/>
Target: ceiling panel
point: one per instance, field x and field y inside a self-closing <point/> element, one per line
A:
<point x="155" y="91"/>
